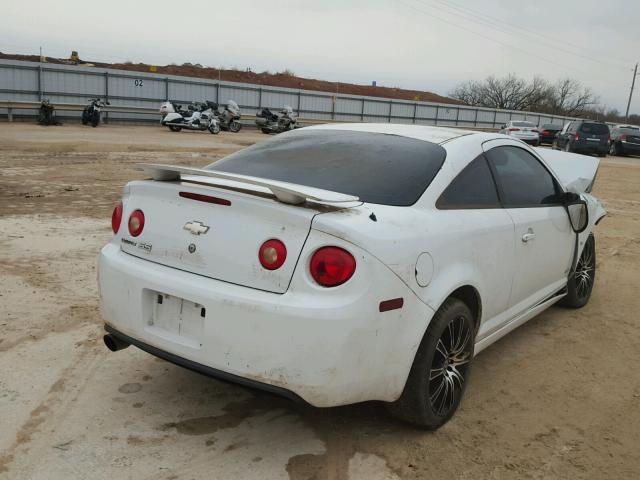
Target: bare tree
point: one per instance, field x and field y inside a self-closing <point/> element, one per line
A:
<point x="569" y="97"/>
<point x="510" y="92"/>
<point x="566" y="97"/>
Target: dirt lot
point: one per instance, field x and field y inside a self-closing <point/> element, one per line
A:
<point x="557" y="398"/>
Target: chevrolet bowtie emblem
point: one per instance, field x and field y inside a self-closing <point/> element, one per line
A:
<point x="196" y="228"/>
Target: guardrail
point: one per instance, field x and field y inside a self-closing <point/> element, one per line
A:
<point x="20" y="105"/>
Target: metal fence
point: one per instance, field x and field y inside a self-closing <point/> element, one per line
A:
<point x="31" y="81"/>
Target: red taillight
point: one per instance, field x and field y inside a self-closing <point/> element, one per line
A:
<point x="116" y="218"/>
<point x="577" y="136"/>
<point x="546" y="132"/>
<point x="332" y="266"/>
<point x="514" y="129"/>
<point x="623" y="138"/>
<point x="205" y="198"/>
<point x="136" y="223"/>
<point x="272" y="254"/>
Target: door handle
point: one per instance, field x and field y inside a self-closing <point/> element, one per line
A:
<point x="528" y="236"/>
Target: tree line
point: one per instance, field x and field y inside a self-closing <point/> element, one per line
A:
<point x="565" y="97"/>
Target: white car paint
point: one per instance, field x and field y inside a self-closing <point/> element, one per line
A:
<point x="332" y="346"/>
<point x="522" y="130"/>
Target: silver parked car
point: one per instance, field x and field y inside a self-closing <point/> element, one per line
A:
<point x="525" y="131"/>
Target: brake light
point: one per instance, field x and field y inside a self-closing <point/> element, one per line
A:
<point x="577" y="136"/>
<point x="546" y="132"/>
<point x="514" y="129"/>
<point x="116" y="218"/>
<point x="136" y="223"/>
<point x="623" y="138"/>
<point x="272" y="254"/>
<point x="332" y="266"/>
<point x="205" y="198"/>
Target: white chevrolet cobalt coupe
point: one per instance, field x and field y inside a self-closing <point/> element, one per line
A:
<point x="343" y="263"/>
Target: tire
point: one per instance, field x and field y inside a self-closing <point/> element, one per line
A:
<point x="266" y="131"/>
<point x="616" y="150"/>
<point x="95" y="119"/>
<point x="439" y="373"/>
<point x="580" y="283"/>
<point x="174" y="128"/>
<point x="215" y="129"/>
<point x="235" y="126"/>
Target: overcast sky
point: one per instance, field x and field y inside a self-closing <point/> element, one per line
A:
<point x="422" y="44"/>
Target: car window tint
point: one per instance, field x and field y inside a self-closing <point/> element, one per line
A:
<point x="524" y="181"/>
<point x="594" y="128"/>
<point x="376" y="167"/>
<point x="472" y="188"/>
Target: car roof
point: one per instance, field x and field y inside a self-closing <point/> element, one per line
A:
<point x="438" y="135"/>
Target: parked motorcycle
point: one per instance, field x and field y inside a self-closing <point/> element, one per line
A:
<point x="91" y="113"/>
<point x="171" y="107"/>
<point x="230" y="117"/>
<point x="47" y="114"/>
<point x="202" y="118"/>
<point x="269" y="122"/>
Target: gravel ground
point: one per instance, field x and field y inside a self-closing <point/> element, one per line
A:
<point x="557" y="398"/>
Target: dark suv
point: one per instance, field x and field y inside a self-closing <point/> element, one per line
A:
<point x="584" y="136"/>
<point x="625" y="140"/>
<point x="548" y="132"/>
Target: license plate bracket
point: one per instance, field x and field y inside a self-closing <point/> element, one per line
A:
<point x="177" y="319"/>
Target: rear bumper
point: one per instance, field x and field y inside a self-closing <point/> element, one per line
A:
<point x="590" y="147"/>
<point x="628" y="147"/>
<point x="203" y="369"/>
<point x="327" y="346"/>
<point x="531" y="138"/>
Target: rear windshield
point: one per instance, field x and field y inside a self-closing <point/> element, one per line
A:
<point x="595" y="128"/>
<point x="551" y="126"/>
<point x="378" y="168"/>
<point x="523" y="124"/>
<point x="630" y="131"/>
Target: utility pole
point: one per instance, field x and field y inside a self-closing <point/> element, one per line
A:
<point x="633" y="83"/>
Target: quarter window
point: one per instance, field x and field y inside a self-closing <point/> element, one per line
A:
<point x="522" y="179"/>
<point x="472" y="188"/>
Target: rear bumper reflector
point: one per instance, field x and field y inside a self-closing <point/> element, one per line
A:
<point x="392" y="304"/>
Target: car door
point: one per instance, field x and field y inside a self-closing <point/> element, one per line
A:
<point x="544" y="239"/>
<point x="477" y="235"/>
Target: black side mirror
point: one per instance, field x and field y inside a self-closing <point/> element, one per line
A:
<point x="578" y="215"/>
<point x="569" y="197"/>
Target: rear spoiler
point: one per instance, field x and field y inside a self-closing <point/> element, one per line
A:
<point x="283" y="191"/>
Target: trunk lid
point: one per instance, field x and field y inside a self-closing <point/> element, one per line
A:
<point x="219" y="241"/>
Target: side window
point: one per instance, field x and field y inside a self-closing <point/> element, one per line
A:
<point x="522" y="179"/>
<point x="472" y="188"/>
